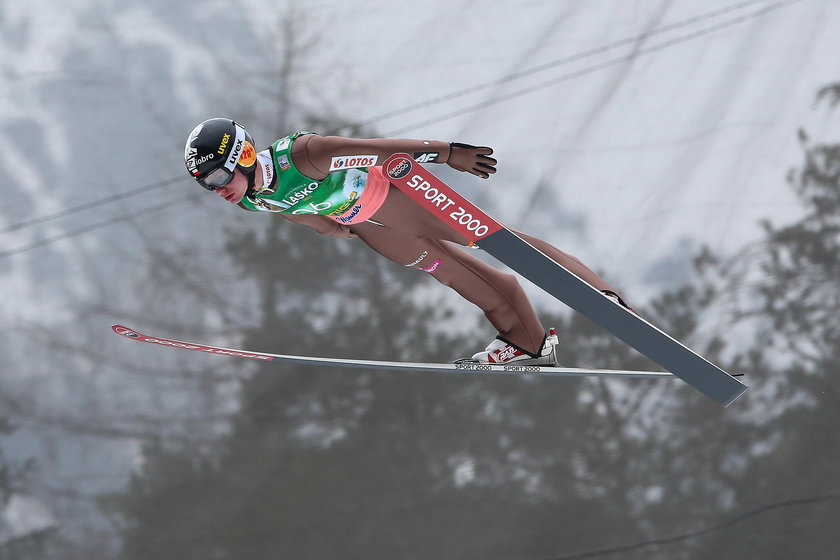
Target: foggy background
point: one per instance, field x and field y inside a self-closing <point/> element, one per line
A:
<point x="688" y="151"/>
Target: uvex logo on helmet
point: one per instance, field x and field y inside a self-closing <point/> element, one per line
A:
<point x="399" y="167"/>
<point x="234" y="153"/>
<point x="223" y="144"/>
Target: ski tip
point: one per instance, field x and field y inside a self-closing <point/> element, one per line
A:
<point x="125" y="331"/>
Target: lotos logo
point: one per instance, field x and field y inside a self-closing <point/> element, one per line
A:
<point x="399" y="168"/>
<point x="223" y="144"/>
<point x="248" y="156"/>
<point x="349" y="162"/>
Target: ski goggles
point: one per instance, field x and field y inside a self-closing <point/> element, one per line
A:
<point x="217" y="178"/>
<point x="221" y="176"/>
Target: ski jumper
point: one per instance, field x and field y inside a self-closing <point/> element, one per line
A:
<point x="353" y="194"/>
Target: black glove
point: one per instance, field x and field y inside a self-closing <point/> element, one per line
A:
<point x="472" y="159"/>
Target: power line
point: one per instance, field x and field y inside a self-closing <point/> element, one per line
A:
<point x="591" y="69"/>
<point x="547" y="66"/>
<point x="87" y="206"/>
<point x="99" y="225"/>
<point x="704" y="531"/>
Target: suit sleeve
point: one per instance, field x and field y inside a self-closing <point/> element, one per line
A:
<point x="313" y="155"/>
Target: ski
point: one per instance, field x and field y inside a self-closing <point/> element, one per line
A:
<point x="468" y="368"/>
<point x="504" y="245"/>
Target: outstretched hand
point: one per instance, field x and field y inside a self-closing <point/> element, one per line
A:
<point x="472" y="159"/>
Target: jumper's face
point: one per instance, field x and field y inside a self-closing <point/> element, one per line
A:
<point x="234" y="191"/>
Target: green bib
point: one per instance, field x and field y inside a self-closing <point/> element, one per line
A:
<point x="290" y="192"/>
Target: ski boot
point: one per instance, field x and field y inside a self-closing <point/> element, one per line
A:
<point x="502" y="352"/>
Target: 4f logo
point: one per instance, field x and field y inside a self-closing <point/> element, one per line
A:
<point x="426" y="157"/>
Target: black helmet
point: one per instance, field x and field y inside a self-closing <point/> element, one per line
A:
<point x="215" y="148"/>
